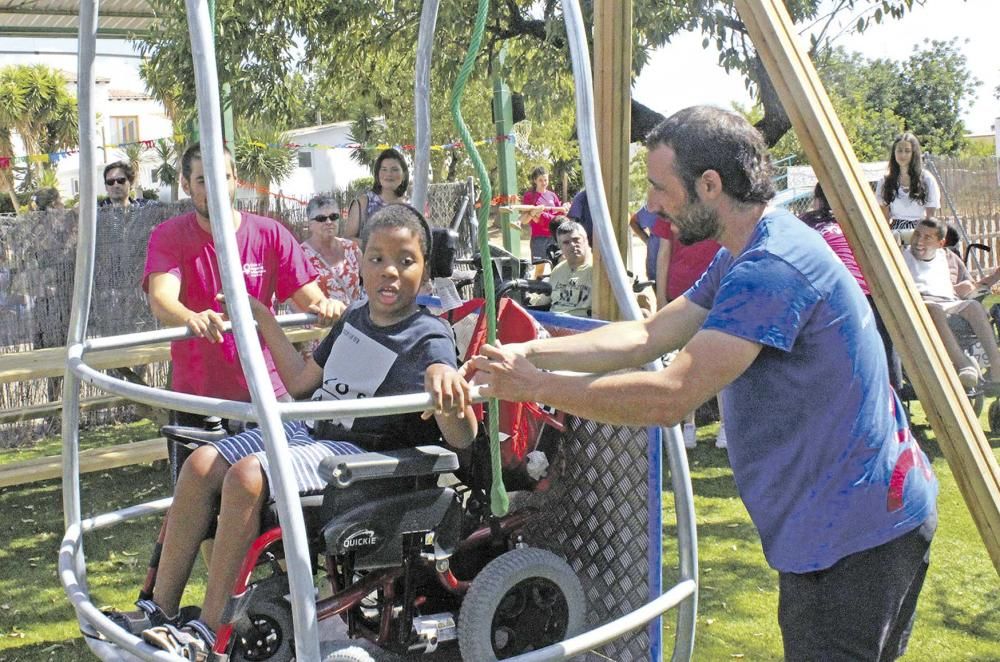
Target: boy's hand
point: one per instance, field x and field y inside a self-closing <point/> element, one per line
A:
<point x="327" y="310"/>
<point x="451" y="393"/>
<point x="207" y="324"/>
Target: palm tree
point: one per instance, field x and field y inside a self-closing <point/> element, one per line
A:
<point x="167" y="172"/>
<point x="263" y="158"/>
<point x="36" y="105"/>
<point x="11" y="109"/>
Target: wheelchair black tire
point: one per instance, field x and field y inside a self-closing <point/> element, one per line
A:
<point x="272" y="614"/>
<point x="993" y="416"/>
<point x="520" y="574"/>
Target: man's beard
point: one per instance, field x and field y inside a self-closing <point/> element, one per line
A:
<point x="696" y="222"/>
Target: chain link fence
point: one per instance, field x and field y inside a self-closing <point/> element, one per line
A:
<point x="37" y="264"/>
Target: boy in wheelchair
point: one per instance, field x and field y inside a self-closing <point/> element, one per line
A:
<point x="945" y="286"/>
<point x="385" y="345"/>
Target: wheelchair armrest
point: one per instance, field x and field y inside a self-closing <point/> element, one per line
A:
<point x="344" y="470"/>
<point x="188" y="435"/>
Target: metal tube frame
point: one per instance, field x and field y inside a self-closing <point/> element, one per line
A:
<point x="604" y="234"/>
<point x="264" y="407"/>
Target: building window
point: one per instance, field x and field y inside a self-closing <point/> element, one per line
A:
<point x="305" y="159"/>
<point x="124" y="130"/>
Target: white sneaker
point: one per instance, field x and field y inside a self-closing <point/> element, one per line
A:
<point x="720" y="440"/>
<point x="690" y="441"/>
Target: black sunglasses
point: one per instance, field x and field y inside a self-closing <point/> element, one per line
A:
<point x="115" y="180"/>
<point x="323" y="219"/>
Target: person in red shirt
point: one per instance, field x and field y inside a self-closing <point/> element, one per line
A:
<point x="678" y="267"/>
<point x="548" y="207"/>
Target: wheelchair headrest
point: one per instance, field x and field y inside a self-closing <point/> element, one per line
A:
<point x="444" y="245"/>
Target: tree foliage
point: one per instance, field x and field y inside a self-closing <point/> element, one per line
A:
<point x="289" y="61"/>
<point x="36" y="105"/>
<point x="878" y="99"/>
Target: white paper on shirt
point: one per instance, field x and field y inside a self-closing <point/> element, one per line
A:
<point x="356" y="368"/>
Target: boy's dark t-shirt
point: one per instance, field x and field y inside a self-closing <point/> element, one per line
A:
<point x="361" y="360"/>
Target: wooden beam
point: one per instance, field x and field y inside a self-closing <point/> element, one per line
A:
<point x="50" y="408"/>
<point x="41" y="363"/>
<point x="94" y="459"/>
<point x="612" y="116"/>
<point x="957" y="429"/>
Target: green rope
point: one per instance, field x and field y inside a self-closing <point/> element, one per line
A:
<point x="499" y="504"/>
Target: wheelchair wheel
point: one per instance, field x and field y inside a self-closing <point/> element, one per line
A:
<point x="347" y="652"/>
<point x="266" y="633"/>
<point x="522" y="601"/>
<point x="993" y="416"/>
<point x="976" y="400"/>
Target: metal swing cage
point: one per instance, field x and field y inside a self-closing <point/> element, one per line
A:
<point x="588" y="543"/>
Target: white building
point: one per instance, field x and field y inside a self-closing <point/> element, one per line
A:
<point x="324" y="164"/>
<point x="125" y="112"/>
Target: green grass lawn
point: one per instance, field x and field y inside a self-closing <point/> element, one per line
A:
<point x="958" y="617"/>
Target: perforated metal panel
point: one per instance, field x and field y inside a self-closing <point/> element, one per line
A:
<point x="595" y="516"/>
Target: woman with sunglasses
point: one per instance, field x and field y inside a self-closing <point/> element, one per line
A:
<point x="337" y="260"/>
<point x="392" y="178"/>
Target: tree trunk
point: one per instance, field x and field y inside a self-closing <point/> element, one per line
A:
<point x="775" y="122"/>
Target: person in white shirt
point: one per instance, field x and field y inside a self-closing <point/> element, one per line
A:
<point x="907" y="193"/>
<point x="944" y="285"/>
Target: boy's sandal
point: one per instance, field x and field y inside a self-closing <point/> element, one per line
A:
<point x="147" y="615"/>
<point x="193" y="641"/>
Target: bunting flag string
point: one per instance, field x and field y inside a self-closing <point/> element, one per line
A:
<point x="7" y="162"/>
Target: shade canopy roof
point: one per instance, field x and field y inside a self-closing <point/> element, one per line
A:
<point x="60" y="18"/>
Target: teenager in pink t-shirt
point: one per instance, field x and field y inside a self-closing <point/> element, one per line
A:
<point x="182" y="278"/>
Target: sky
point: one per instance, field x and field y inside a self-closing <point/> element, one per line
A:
<point x="682" y="73"/>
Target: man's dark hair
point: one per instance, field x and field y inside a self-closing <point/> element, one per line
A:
<point x="708" y="138"/>
<point x="126" y="168"/>
<point x="391" y="154"/>
<point x="820" y="197"/>
<point x="570" y="227"/>
<point x="935" y="224"/>
<point x="193" y="153"/>
<point x="400" y="216"/>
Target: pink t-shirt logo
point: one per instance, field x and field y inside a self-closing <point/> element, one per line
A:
<point x="253" y="269"/>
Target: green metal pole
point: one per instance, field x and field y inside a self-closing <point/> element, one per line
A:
<point x="506" y="165"/>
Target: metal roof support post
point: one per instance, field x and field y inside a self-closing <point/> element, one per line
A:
<point x="422" y="104"/>
<point x="83" y="277"/>
<point x="247" y="343"/>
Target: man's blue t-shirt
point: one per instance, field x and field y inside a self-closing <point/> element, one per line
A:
<point x="819" y="445"/>
<point x="579" y="211"/>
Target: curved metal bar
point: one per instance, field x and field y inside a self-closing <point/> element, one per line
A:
<point x="283" y="485"/>
<point x="177" y="333"/>
<point x="69" y="548"/>
<point x="83" y="276"/>
<point x="615" y="269"/>
<point x="156" y="397"/>
<point x="422" y="103"/>
<point x="609" y="631"/>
